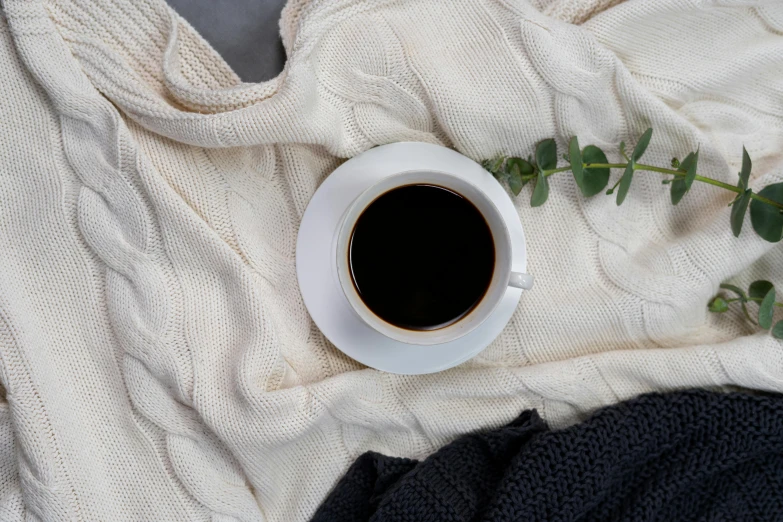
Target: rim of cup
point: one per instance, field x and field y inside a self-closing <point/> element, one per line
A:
<point x="501" y="271"/>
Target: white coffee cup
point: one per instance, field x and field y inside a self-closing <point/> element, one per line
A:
<point x="502" y="276"/>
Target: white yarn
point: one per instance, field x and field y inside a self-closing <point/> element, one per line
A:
<point x="157" y="358"/>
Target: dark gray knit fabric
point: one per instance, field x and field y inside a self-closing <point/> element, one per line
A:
<point x="693" y="455"/>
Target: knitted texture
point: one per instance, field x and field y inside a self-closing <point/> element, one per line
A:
<point x="684" y="456"/>
<point x="158" y="359"/>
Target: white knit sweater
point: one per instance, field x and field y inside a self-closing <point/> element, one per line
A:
<point x="157" y="358"/>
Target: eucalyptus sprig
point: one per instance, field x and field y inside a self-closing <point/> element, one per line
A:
<point x="591" y="172"/>
<point x="759" y="292"/>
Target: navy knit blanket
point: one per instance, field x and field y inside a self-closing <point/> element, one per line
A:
<point x="686" y="456"/>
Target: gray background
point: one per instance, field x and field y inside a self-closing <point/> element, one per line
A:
<point x="244" y="32"/>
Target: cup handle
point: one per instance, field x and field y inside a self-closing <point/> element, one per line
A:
<point x="519" y="280"/>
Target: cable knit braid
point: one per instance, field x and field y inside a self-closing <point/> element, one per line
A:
<point x="120" y="227"/>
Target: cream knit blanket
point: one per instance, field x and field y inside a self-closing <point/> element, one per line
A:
<point x="157" y="359"/>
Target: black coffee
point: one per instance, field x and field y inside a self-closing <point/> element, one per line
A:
<point x="421" y="257"/>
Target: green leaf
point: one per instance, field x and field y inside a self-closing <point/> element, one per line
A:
<point x="767" y="220"/>
<point x="678" y="190"/>
<point x="496" y="164"/>
<point x="680" y="185"/>
<point x="690" y="168"/>
<point x="575" y="158"/>
<point x="541" y="191"/>
<point x="525" y="167"/>
<point x="675" y="163"/>
<point x="515" y="181"/>
<point x="495" y="167"/>
<point x="777" y="331"/>
<point x="687" y="162"/>
<point x="718" y="305"/>
<point x="744" y="174"/>
<point x="758" y="289"/>
<point x="738" y="212"/>
<point x="595" y="179"/>
<point x="625" y="183"/>
<point x="766" y="310"/>
<point x="641" y="146"/>
<point x="546" y="155"/>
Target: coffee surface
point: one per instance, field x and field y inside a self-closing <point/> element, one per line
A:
<point x="421" y="257"/>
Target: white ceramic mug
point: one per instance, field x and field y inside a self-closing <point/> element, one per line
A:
<point x="502" y="276"/>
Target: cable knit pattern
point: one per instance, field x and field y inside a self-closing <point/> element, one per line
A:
<point x="685" y="456"/>
<point x="158" y="359"/>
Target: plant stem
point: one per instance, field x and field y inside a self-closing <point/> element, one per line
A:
<point x="604" y="165"/>
<point x="653" y="168"/>
<point x="676" y="173"/>
<point x="754" y="299"/>
<point x="555" y="171"/>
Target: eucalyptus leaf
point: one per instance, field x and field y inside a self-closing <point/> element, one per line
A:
<point x="541" y="191"/>
<point x="595" y="179"/>
<point x="641" y="146"/>
<point x="687" y="162"/>
<point x="766" y="311"/>
<point x="678" y="190"/>
<point x="546" y="155"/>
<point x="758" y="289"/>
<point x="680" y="185"/>
<point x="515" y="181"/>
<point x="690" y="168"/>
<point x="638" y="151"/>
<point x="625" y="183"/>
<point x="744" y="174"/>
<point x="777" y="331"/>
<point x="767" y="220"/>
<point x="487" y="165"/>
<point x="495" y="165"/>
<point x="738" y="212"/>
<point x="575" y="158"/>
<point x="718" y="305"/>
<point x="525" y="167"/>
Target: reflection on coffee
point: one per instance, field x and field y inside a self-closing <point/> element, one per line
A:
<point x="421" y="257"/>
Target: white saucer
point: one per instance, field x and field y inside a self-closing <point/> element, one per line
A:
<point x="316" y="260"/>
